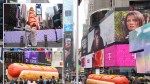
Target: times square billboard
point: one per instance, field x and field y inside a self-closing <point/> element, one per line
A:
<point x="119" y="55"/>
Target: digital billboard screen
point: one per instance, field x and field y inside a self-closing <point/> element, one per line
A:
<point x="120" y="31"/>
<point x="84" y="46"/>
<point x="68" y="50"/>
<point x="37" y="57"/>
<point x="107" y="29"/>
<point x="88" y="60"/>
<point x="139" y="38"/>
<point x="98" y="59"/>
<point x="95" y="40"/>
<point x="140" y="62"/>
<point x="90" y="40"/>
<point x="31" y="57"/>
<point x="121" y="21"/>
<point x="143" y="60"/>
<point x="119" y="57"/>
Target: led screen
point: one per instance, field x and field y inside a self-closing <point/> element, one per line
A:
<point x="118" y="55"/>
<point x="98" y="59"/>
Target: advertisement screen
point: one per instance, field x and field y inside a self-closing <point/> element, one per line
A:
<point x="95" y="40"/>
<point x="107" y="29"/>
<point x="98" y="59"/>
<point x="120" y="31"/>
<point x="38" y="9"/>
<point x="139" y="38"/>
<point x="135" y="40"/>
<point x="31" y="57"/>
<point x="90" y="40"/>
<point x="83" y="61"/>
<point x="109" y="56"/>
<point x="146" y="34"/>
<point x="140" y="62"/>
<point x="119" y="57"/>
<point x="68" y="49"/>
<point x="57" y="58"/>
<point x="88" y="61"/>
<point x="37" y="57"/>
<point x="147" y="58"/>
<point x="122" y="21"/>
<point x="45" y="57"/>
<point x="143" y="61"/>
<point x="129" y="27"/>
<point x="84" y="46"/>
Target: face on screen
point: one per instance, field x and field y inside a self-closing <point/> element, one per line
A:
<point x="134" y="19"/>
<point x="67" y="42"/>
<point x="132" y="22"/>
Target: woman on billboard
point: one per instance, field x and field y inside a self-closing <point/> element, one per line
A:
<point x="98" y="41"/>
<point x="133" y="20"/>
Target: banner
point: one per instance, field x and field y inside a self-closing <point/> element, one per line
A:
<point x="84" y="46"/>
<point x="88" y="61"/>
<point x="57" y="59"/>
<point x="68" y="50"/>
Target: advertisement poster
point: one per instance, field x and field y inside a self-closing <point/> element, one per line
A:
<point x="119" y="57"/>
<point x="68" y="50"/>
<point x="107" y="31"/>
<point x="84" y="46"/>
<point x="98" y="59"/>
<point x="88" y="61"/>
<point x="139" y="38"/>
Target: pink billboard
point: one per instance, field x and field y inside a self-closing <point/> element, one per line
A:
<point x="118" y="55"/>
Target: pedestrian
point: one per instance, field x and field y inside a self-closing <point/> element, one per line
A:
<point x="20" y="81"/>
<point x="45" y="81"/>
<point x="53" y="81"/>
<point x="25" y="81"/>
<point x="40" y="80"/>
<point x="48" y="81"/>
<point x="12" y="81"/>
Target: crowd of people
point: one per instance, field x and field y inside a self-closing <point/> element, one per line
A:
<point x="139" y="80"/>
<point x="39" y="81"/>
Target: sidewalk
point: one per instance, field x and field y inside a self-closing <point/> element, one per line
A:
<point x="39" y="44"/>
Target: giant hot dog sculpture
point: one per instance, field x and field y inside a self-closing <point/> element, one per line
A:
<point x="32" y="18"/>
<point x="30" y="72"/>
<point x="106" y="79"/>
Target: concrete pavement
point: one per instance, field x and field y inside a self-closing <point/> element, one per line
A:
<point x="39" y="44"/>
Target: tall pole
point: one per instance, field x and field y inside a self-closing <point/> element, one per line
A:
<point x="76" y="42"/>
